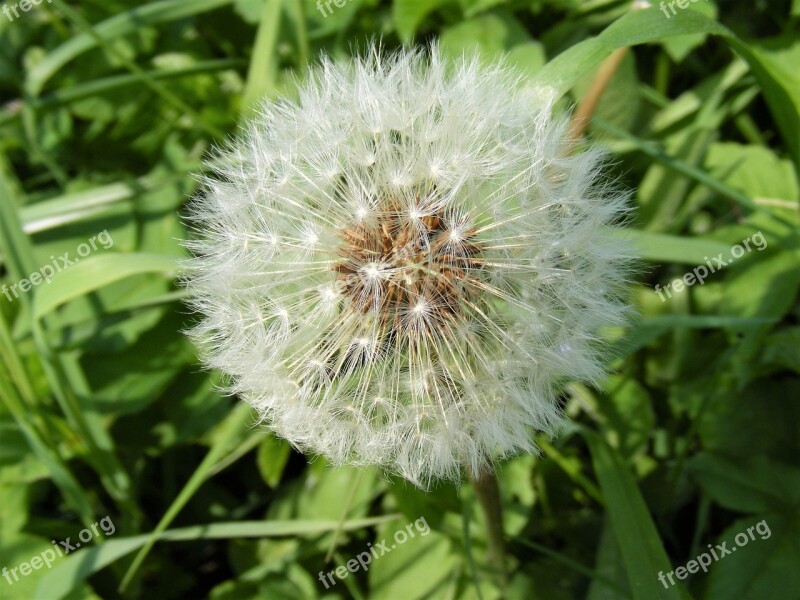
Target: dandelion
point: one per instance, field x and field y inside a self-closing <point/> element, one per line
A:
<point x="402" y="266"/>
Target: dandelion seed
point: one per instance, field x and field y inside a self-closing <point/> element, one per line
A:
<point x="436" y="264"/>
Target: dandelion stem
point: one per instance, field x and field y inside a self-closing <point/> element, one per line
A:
<point x="605" y="73"/>
<point x="588" y="104"/>
<point x="487" y="490"/>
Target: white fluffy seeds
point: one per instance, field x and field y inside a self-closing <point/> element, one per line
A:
<point x="399" y="268"/>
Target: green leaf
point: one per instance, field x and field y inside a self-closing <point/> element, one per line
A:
<point x="782" y="349"/>
<point x="765" y="567"/>
<point x="664" y="248"/>
<point x="649" y="329"/>
<point x="414" y="569"/>
<point x="766" y="288"/>
<point x="489" y="35"/>
<point x="408" y="14"/>
<point x="642" y="552"/>
<point x="630" y="411"/>
<point x="115" y="27"/>
<point x="15" y="550"/>
<point x="755" y="170"/>
<point x="710" y="91"/>
<point x="661" y="194"/>
<point x="752" y="485"/>
<point x="527" y="57"/>
<point x="762" y="419"/>
<point x="611" y="582"/>
<point x="95" y="272"/>
<point x="620" y="103"/>
<point x="229" y="432"/>
<point x="774" y="65"/>
<point x="637" y="27"/>
<point x="75" y="568"/>
<point x="263" y="71"/>
<point x="679" y="47"/>
<point x="273" y="454"/>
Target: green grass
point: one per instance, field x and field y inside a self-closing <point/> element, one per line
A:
<point x="106" y="112"/>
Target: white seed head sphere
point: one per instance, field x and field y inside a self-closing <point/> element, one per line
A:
<point x="400" y="267"/>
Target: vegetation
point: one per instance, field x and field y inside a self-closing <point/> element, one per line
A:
<point x="106" y="111"/>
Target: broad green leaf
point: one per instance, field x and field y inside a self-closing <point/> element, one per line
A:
<point x="774" y="65"/>
<point x="125" y="382"/>
<point x="636" y="27"/>
<point x="619" y="104"/>
<point x="762" y="419"/>
<point x="612" y="583"/>
<point x="527" y="57"/>
<point x="414" y="569"/>
<point x="679" y="47"/>
<point x="471" y="8"/>
<point x="273" y="454"/>
<point x="752" y="485"/>
<point x="489" y="35"/>
<point x="768" y="287"/>
<point x="755" y="170"/>
<point x="765" y="566"/>
<point x="15" y="550"/>
<point x="325" y="491"/>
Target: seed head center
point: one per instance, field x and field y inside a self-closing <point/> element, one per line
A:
<point x="413" y="271"/>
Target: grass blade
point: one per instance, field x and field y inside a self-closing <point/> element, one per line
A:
<point x="638" y="539"/>
<point x="263" y="71"/>
<point x="58" y="582"/>
<point x="118" y="25"/>
<point x="233" y="428"/>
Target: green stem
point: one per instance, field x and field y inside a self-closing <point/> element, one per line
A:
<point x="487" y="490"/>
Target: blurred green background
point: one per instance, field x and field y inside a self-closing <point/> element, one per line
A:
<point x="106" y="111"/>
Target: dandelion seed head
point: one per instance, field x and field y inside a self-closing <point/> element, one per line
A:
<point x="402" y="267"/>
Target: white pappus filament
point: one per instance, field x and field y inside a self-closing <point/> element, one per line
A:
<point x="400" y="267"/>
